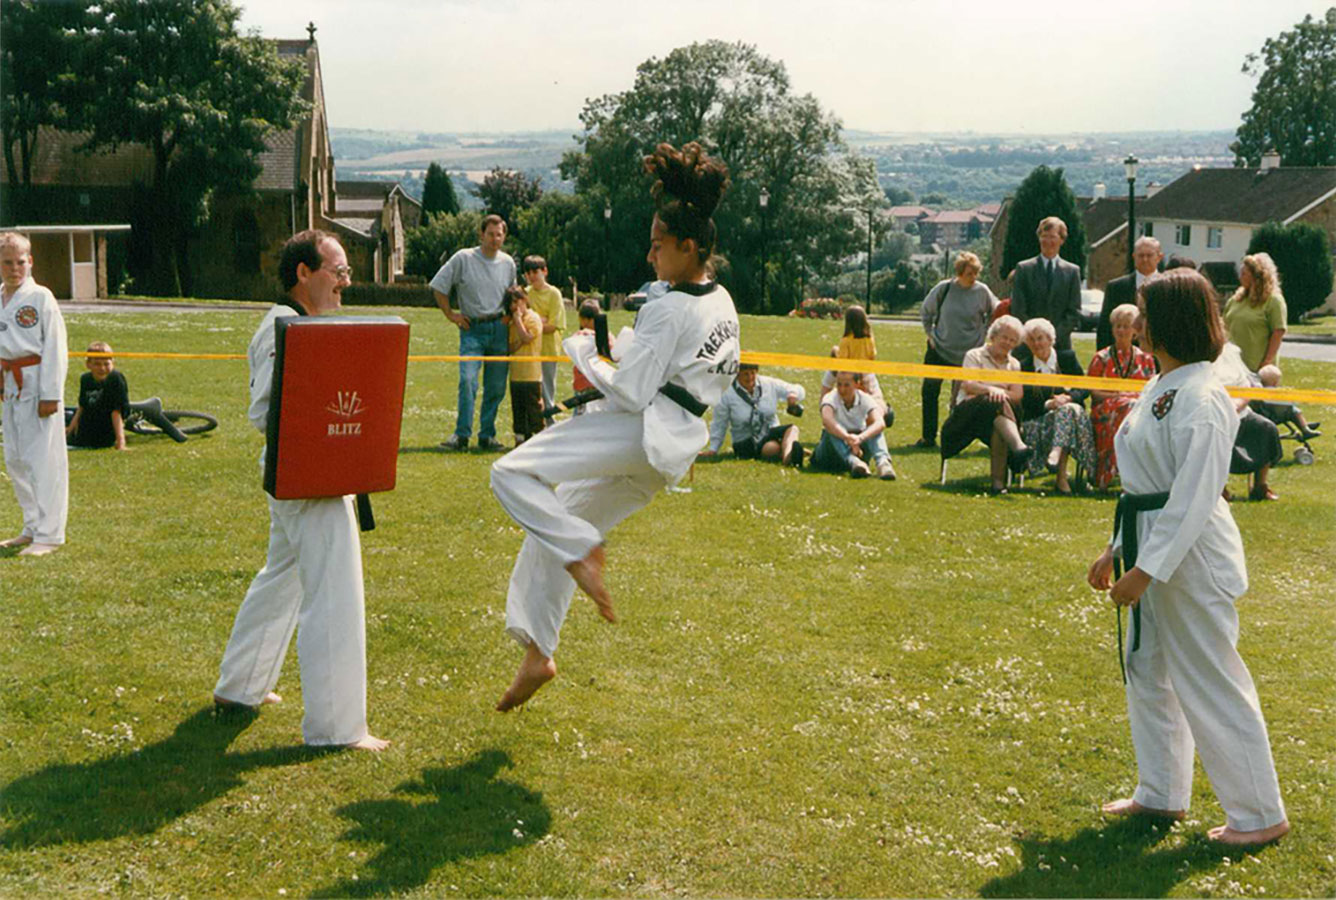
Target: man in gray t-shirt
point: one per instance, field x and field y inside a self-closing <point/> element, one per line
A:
<point x="955" y="318"/>
<point x="479" y="277"/>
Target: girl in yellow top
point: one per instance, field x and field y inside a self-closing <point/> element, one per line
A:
<point x="857" y="342"/>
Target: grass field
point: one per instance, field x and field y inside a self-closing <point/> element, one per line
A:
<point x="819" y="687"/>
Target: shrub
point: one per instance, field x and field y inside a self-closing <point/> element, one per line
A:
<point x="399" y="294"/>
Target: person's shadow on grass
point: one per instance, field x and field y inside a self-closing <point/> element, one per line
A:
<point x="136" y="792"/>
<point x="1117" y="860"/>
<point x="469" y="812"/>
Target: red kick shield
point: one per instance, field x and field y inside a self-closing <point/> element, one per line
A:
<point x="336" y="407"/>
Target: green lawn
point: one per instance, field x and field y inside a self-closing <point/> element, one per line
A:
<point x="1321" y="325"/>
<point x="818" y="687"/>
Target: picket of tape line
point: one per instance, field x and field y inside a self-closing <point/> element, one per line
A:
<point x="877" y="367"/>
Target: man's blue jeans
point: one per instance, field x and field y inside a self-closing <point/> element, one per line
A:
<point x="482" y="339"/>
<point x="832" y="454"/>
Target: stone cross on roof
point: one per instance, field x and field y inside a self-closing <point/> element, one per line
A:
<point x="310" y="30"/>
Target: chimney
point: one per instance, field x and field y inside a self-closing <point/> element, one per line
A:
<point x="1100" y="191"/>
<point x="1270" y="160"/>
<point x="1152" y="189"/>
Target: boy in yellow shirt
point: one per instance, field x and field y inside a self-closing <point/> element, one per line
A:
<point x="526" y="400"/>
<point x="546" y="300"/>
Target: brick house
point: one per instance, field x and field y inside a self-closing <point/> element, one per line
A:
<point x="235" y="254"/>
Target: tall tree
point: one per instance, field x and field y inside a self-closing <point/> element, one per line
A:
<point x="738" y="104"/>
<point x="438" y="192"/>
<point x="505" y="192"/>
<point x="1043" y="193"/>
<point x="1294" y="105"/>
<point x="177" y="77"/>
<point x="1302" y="253"/>
<point x="36" y="74"/>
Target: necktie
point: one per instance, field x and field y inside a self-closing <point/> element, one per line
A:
<point x="1048" y="274"/>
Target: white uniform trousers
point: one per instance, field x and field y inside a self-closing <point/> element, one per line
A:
<point x="311" y="581"/>
<point x="568" y="486"/>
<point x="1187" y="686"/>
<point x="38" y="466"/>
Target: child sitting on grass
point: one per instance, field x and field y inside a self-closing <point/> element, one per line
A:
<point x="104" y="402"/>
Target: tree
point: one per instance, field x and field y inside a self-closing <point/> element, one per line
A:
<point x="738" y="104"/>
<point x="1302" y="253"/>
<point x="427" y="247"/>
<point x="438" y="192"/>
<point x="1043" y="193"/>
<point x="176" y="76"/>
<point x="898" y="196"/>
<point x="505" y="192"/>
<point x="36" y="76"/>
<point x="1294" y="105"/>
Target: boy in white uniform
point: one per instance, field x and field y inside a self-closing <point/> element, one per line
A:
<point x="1187" y="686"/>
<point x="312" y="577"/>
<point x="571" y="484"/>
<point x="34" y="359"/>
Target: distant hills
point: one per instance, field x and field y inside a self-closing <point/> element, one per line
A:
<point x="963" y="169"/>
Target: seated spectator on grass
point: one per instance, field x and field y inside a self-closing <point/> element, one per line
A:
<point x="867" y="383"/>
<point x="1257" y="445"/>
<point x="1053" y="419"/>
<point x="750" y="408"/>
<point x="1121" y="359"/>
<point x="852" y="427"/>
<point x="988" y="411"/>
<point x="1279" y="412"/>
<point x="104" y="402"/>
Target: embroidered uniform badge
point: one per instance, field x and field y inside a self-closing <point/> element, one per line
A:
<point x="26" y="316"/>
<point x="1163" y="404"/>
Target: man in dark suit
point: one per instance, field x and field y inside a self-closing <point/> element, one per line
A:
<point x="1048" y="287"/>
<point x="1146" y="256"/>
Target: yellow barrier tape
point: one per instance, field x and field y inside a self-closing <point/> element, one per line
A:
<point x="878" y="367"/>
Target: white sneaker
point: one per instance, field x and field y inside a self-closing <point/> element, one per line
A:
<point x="885" y="471"/>
<point x="22" y="540"/>
<point x="35" y="549"/>
<point x="858" y="468"/>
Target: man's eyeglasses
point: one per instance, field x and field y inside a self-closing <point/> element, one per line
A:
<point x="343" y="272"/>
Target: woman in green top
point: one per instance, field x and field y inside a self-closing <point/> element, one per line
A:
<point x="1255" y="315"/>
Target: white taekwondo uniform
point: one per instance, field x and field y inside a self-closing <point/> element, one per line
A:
<point x="35" y="458"/>
<point x="1187" y="684"/>
<point x="311" y="581"/>
<point x="569" y="485"/>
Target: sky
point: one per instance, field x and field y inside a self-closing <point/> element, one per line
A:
<point x="997" y="66"/>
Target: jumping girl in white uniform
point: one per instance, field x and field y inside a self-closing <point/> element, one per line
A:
<point x="1187" y="686"/>
<point x="569" y="485"/>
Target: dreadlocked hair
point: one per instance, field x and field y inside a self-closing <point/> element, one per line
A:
<point x="687" y="188"/>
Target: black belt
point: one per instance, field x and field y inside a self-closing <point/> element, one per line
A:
<point x="679" y="395"/>
<point x="1125" y="518"/>
<point x="478" y="320"/>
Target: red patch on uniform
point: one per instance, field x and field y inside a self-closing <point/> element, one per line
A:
<point x="26" y="316"/>
<point x="1163" y="404"/>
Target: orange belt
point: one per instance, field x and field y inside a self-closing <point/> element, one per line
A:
<point x="18" y="365"/>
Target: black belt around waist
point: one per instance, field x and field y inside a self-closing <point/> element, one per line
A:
<point x="679" y="395"/>
<point x="1125" y="518"/>
<point x="478" y="320"/>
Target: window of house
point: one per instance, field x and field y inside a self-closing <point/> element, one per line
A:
<point x="246" y="242"/>
<point x="1214" y="238"/>
<point x="1183" y="235"/>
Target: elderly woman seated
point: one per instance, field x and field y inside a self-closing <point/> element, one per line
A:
<point x="852" y="426"/>
<point x="1121" y="359"/>
<point x="751" y="409"/>
<point x="988" y="410"/>
<point x="1053" y="419"/>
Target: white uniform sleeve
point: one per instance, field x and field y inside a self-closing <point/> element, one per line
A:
<point x="55" y="352"/>
<point x="1202" y="472"/>
<point x="719" y="424"/>
<point x="631" y="385"/>
<point x="262" y="375"/>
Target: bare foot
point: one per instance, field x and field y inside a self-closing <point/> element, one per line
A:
<point x="22" y="540"/>
<point x="588" y="575"/>
<point x="535" y="671"/>
<point x="1223" y="834"/>
<point x="1128" y="807"/>
<point x="36" y="549"/>
<point x="270" y="697"/>
<point x="374" y="744"/>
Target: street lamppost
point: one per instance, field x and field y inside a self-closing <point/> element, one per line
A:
<point x="765" y="254"/>
<point x="1130" y="164"/>
<point x="607" y="254"/>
